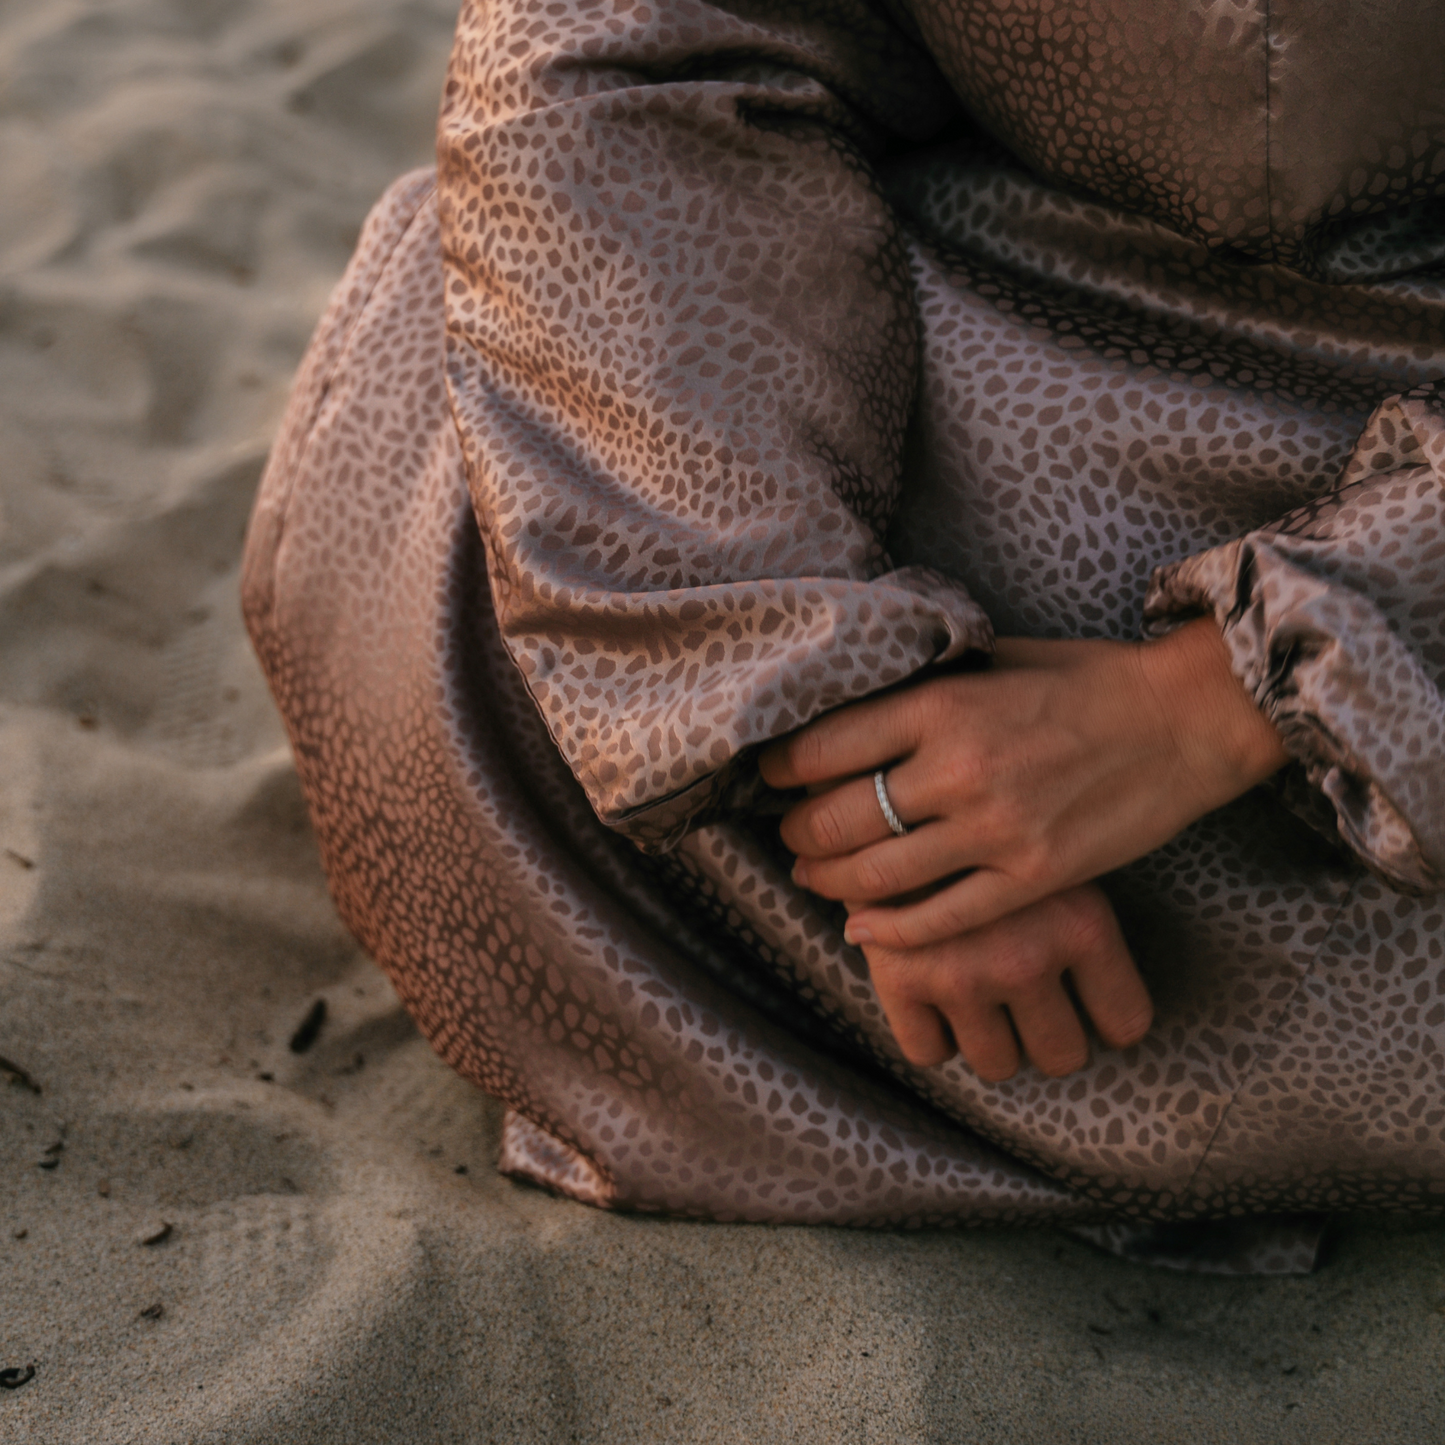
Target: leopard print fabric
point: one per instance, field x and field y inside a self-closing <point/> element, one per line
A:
<point x="727" y="372"/>
<point x="540" y="952"/>
<point x="1339" y="643"/>
<point x="1290" y="131"/>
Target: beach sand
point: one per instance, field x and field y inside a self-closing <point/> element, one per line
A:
<point x="331" y="1256"/>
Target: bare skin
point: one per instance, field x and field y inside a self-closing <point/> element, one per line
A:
<point x="1020" y="784"/>
<point x="990" y="993"/>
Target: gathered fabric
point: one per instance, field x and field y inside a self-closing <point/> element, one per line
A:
<point x="740" y="361"/>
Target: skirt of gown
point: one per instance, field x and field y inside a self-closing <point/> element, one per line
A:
<point x="687" y="1032"/>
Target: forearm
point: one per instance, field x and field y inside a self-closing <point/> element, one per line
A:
<point x="1061" y="762"/>
<point x="1334" y="622"/>
<point x="1225" y="744"/>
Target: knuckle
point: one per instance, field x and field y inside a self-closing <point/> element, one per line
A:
<point x="889" y="973"/>
<point x="876" y="876"/>
<point x="945" y="917"/>
<point x="827" y="828"/>
<point x="922" y="932"/>
<point x="965" y="773"/>
<point x="957" y="996"/>
<point x="1088" y="923"/>
<point x="1040" y="865"/>
<point x="805" y="752"/>
<point x="1020" y="965"/>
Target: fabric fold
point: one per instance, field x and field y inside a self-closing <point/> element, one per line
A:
<point x="656" y="700"/>
<point x="668" y="424"/>
<point x="1331" y="620"/>
<point x="682" y="355"/>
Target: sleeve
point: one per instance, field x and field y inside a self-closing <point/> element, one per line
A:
<point x="1334" y="618"/>
<point x="682" y="355"/>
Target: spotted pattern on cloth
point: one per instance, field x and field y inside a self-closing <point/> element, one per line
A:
<point x="722" y="379"/>
<point x="534" y="945"/>
<point x="1291" y="131"/>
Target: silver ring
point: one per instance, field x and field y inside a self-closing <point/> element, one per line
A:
<point x="886" y="803"/>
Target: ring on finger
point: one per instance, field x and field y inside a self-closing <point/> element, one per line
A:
<point x="890" y="815"/>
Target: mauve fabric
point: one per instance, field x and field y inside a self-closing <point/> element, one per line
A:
<point x="738" y="362"/>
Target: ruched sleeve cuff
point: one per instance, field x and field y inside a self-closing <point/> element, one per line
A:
<point x="1334" y="618"/>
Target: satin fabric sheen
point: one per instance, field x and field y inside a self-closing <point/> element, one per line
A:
<point x="737" y="362"/>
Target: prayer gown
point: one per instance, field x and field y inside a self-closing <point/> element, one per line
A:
<point x="740" y="360"/>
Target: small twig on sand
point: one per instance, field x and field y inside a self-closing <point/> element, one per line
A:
<point x="14" y="1074"/>
<point x="309" y="1028"/>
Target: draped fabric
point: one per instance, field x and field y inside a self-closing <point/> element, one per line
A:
<point x="738" y="362"/>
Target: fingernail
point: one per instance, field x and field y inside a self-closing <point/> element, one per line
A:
<point x="800" y="873"/>
<point x="856" y="935"/>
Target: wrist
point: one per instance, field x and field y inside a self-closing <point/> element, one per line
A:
<point x="1224" y="742"/>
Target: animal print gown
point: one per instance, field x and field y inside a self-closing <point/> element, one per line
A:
<point x="742" y="359"/>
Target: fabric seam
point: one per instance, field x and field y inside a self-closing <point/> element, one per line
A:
<point x="1269" y="1037"/>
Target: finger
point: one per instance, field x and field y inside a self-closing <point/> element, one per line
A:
<point x="855" y="739"/>
<point x="1103" y="971"/>
<point x="848" y="816"/>
<point x="890" y="869"/>
<point x="986" y="1040"/>
<point x="836" y="820"/>
<point x="983" y="897"/>
<point x="1020" y="652"/>
<point x="938" y="981"/>
<point x="903" y="985"/>
<point x="1049" y="1029"/>
<point x="921" y="1032"/>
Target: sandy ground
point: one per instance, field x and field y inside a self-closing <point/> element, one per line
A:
<point x="180" y="184"/>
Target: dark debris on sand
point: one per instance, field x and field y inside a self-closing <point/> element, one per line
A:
<point x="309" y="1027"/>
<point x="14" y="1074"/>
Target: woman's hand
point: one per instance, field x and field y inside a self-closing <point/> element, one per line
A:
<point x="1062" y="761"/>
<point x="985" y="993"/>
